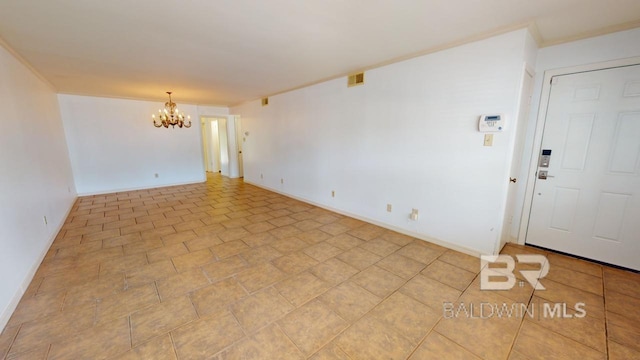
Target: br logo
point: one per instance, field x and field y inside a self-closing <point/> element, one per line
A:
<point x="505" y="272"/>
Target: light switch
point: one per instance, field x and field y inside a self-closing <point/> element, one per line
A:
<point x="488" y="139"/>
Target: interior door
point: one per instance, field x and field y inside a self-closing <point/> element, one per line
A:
<point x="240" y="141"/>
<point x="589" y="203"/>
<point x="224" y="146"/>
<point x="512" y="212"/>
<point x="205" y="144"/>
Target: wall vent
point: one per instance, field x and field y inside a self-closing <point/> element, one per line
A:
<point x="265" y="101"/>
<point x="356" y="79"/>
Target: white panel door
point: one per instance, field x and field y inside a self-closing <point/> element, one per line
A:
<point x="240" y="142"/>
<point x="589" y="205"/>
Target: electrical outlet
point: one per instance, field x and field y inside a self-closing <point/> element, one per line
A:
<point x="333" y="193"/>
<point x="281" y="181"/>
<point x="488" y="139"/>
<point x="414" y="214"/>
<point x="261" y="176"/>
<point x="389" y="207"/>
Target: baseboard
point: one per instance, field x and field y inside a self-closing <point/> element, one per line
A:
<point x="15" y="300"/>
<point x="416" y="235"/>
<point x="160" y="186"/>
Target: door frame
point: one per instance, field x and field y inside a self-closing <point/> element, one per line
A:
<point x="540" y="124"/>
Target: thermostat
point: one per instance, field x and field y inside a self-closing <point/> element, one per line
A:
<point x="491" y="123"/>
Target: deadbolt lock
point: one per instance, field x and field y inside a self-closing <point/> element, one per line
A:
<point x="542" y="174"/>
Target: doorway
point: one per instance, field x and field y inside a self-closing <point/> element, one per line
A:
<point x="215" y="144"/>
<point x="586" y="195"/>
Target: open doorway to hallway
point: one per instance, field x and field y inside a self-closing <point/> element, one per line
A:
<point x="215" y="144"/>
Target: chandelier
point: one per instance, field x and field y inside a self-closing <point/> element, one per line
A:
<point x="171" y="116"/>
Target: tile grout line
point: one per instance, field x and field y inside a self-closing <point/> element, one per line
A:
<point x="606" y="323"/>
<point x="352" y="323"/>
<point x="48" y="352"/>
<point x="173" y="345"/>
<point x="6" y="356"/>
<point x="433" y="329"/>
<point x="130" y="332"/>
<point x="515" y="338"/>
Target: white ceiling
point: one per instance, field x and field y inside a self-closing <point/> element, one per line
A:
<point x="223" y="52"/>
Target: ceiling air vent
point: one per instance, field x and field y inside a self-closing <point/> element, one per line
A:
<point x="356" y="79"/>
<point x="265" y="101"/>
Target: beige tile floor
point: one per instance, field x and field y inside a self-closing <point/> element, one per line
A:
<point x="225" y="270"/>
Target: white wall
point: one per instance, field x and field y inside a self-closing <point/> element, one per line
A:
<point x="114" y="147"/>
<point x="620" y="45"/>
<point x="35" y="177"/>
<point x="212" y="111"/>
<point x="407" y="137"/>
